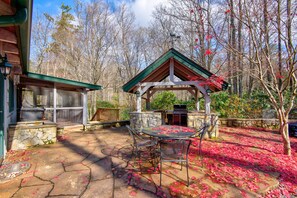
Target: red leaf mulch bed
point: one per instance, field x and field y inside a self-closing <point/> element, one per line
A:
<point x="247" y="161"/>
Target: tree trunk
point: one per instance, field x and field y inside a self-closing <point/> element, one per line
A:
<point x="289" y="35"/>
<point x="233" y="44"/>
<point x="240" y="62"/>
<point x="201" y="35"/>
<point x="229" y="58"/>
<point x="92" y="106"/>
<point x="208" y="34"/>
<point x="284" y="131"/>
<point x="279" y="42"/>
<point x="251" y="65"/>
<point x="94" y="102"/>
<point x="266" y="38"/>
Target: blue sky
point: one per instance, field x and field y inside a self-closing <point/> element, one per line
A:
<point x="142" y="8"/>
<point x="48" y="6"/>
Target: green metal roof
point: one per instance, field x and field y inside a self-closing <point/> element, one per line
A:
<point x="62" y="81"/>
<point x="22" y="20"/>
<point x="172" y="53"/>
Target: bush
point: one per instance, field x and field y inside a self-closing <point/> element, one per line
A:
<point x="191" y="105"/>
<point x="104" y="104"/>
<point x="232" y="106"/>
<point x="164" y="101"/>
<point x="220" y="103"/>
<point x="125" y="114"/>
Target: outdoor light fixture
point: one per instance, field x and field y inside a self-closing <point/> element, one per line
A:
<point x="174" y="37"/>
<point x="5" y="66"/>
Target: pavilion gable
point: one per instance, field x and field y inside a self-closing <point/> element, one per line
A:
<point x="184" y="68"/>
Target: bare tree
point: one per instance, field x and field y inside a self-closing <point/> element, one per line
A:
<point x="281" y="95"/>
<point x="97" y="36"/>
<point x="129" y="48"/>
<point x="41" y="32"/>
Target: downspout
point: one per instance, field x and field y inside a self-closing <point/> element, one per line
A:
<point x="19" y="18"/>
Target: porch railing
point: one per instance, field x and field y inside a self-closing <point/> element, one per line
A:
<point x="63" y="114"/>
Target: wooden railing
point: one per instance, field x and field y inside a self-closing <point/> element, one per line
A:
<point x="106" y="114"/>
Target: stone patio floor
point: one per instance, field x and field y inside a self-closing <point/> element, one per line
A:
<point x="91" y="164"/>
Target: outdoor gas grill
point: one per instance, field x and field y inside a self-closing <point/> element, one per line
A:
<point x="180" y="115"/>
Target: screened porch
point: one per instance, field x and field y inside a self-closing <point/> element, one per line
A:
<point x="58" y="100"/>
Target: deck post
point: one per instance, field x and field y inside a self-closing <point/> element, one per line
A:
<point x="55" y="104"/>
<point x="85" y="106"/>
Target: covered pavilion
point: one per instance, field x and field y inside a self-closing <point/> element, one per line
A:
<point x="180" y="73"/>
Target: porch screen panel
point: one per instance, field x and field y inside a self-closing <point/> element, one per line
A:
<point x="36" y="102"/>
<point x="69" y="106"/>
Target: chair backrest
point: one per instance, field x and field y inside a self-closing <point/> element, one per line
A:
<point x="133" y="134"/>
<point x="175" y="149"/>
<point x="202" y="131"/>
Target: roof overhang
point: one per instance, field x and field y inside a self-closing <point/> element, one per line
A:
<point x="184" y="68"/>
<point x="15" y="27"/>
<point x="60" y="83"/>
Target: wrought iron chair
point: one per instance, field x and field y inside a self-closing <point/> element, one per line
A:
<point x="142" y="146"/>
<point x="174" y="150"/>
<point x="200" y="134"/>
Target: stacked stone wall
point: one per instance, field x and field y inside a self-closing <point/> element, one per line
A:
<point x="197" y="119"/>
<point x="257" y="123"/>
<point x="27" y="134"/>
<point x="145" y="119"/>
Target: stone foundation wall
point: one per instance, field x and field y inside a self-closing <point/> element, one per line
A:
<point x="257" y="123"/>
<point x="145" y="119"/>
<point x="27" y="134"/>
<point x="196" y="119"/>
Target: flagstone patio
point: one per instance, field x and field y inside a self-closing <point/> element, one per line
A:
<point x="98" y="164"/>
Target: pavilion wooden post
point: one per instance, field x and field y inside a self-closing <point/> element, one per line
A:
<point x="55" y="104"/>
<point x="197" y="100"/>
<point x="85" y="106"/>
<point x="148" y="99"/>
<point x="138" y="100"/>
<point x="207" y="104"/>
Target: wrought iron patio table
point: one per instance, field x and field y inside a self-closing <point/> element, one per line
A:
<point x="169" y="132"/>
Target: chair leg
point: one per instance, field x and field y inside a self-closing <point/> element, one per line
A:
<point x="187" y="167"/>
<point x="201" y="157"/>
<point x="160" y="173"/>
<point x="181" y="164"/>
<point x="156" y="162"/>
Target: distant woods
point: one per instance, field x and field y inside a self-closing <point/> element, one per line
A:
<point x="252" y="45"/>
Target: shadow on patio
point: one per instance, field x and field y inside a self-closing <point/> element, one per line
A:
<point x="99" y="162"/>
